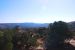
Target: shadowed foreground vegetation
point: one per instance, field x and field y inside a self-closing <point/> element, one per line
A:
<point x="57" y="34"/>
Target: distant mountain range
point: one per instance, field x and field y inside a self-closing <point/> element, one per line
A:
<point x="24" y="25"/>
<point x="72" y="25"/>
<point x="31" y="25"/>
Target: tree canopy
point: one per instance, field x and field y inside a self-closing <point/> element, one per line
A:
<point x="58" y="32"/>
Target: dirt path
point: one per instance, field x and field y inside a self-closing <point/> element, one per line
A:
<point x="40" y="44"/>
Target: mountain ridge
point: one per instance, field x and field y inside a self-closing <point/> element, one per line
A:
<point x="31" y="25"/>
<point x="24" y="25"/>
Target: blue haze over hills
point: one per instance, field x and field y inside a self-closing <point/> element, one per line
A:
<point x="31" y="25"/>
<point x="23" y="25"/>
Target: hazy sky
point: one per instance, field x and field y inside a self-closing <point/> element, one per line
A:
<point x="37" y="11"/>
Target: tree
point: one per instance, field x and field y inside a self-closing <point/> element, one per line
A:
<point x="8" y="34"/>
<point x="41" y="31"/>
<point x="58" y="32"/>
<point x="9" y="46"/>
<point x="6" y="39"/>
<point x="1" y="40"/>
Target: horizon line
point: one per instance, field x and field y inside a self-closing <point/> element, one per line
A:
<point x="33" y="22"/>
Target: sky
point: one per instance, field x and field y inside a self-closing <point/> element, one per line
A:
<point x="36" y="11"/>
